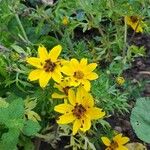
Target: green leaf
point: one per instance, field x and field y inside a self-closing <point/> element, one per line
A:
<point x="140" y="119"/>
<point x="31" y="128"/>
<point x="9" y="140"/>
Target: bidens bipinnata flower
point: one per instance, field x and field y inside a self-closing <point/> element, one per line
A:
<point x="117" y="143"/>
<point x="63" y="87"/>
<point x="80" y="72"/>
<point x="65" y="21"/>
<point x="48" y="66"/>
<point x="80" y="111"/>
<point x="135" y="22"/>
<point x="120" y="80"/>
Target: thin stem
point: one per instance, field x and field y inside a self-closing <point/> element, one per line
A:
<point x="125" y="39"/>
<point x="21" y="28"/>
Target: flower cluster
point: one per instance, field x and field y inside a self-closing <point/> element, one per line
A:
<point x="72" y="81"/>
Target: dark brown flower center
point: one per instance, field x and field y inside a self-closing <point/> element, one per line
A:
<point x="78" y="74"/>
<point x="134" y="19"/>
<point x="78" y="110"/>
<point x="114" y="145"/>
<point x="49" y="66"/>
<point x="66" y="89"/>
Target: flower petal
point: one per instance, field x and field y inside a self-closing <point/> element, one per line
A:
<point x="36" y="62"/>
<point x="106" y="141"/>
<point x="59" y="96"/>
<point x="34" y="75"/>
<point x="44" y="78"/>
<point x="123" y="140"/>
<point x="86" y="84"/>
<point x="56" y="75"/>
<point x="55" y="52"/>
<point x="67" y="70"/>
<point x="95" y="113"/>
<point x="91" y="67"/>
<point x="92" y="76"/>
<point x="71" y="97"/>
<point x="42" y="52"/>
<point x="122" y="148"/>
<point x="83" y="62"/>
<point x="76" y="126"/>
<point x="81" y="95"/>
<point x="65" y="119"/>
<point x="63" y="108"/>
<point x="85" y="123"/>
<point x="74" y="63"/>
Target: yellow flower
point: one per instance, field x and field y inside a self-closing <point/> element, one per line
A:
<point x="65" y="21"/>
<point x="80" y="72"/>
<point x="120" y="80"/>
<point x="63" y="87"/>
<point x="117" y="143"/>
<point x="30" y="114"/>
<point x="80" y="111"/>
<point x="47" y="64"/>
<point x="135" y="22"/>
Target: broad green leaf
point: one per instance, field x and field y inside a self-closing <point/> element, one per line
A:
<point x="140" y="119"/>
<point x="31" y="128"/>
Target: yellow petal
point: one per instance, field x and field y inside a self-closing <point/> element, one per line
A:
<point x="89" y="101"/>
<point x="34" y="75"/>
<point x="76" y="126"/>
<point x="36" y="62"/>
<point x="56" y="75"/>
<point x="74" y="63"/>
<point x="81" y="95"/>
<point x="122" y="148"/>
<point x="91" y="67"/>
<point x="86" y="124"/>
<point x="65" y="119"/>
<point x="139" y="29"/>
<point x="124" y="140"/>
<point x="95" y="113"/>
<point x="55" y="52"/>
<point x="59" y="96"/>
<point x="63" y="108"/>
<point x="58" y="86"/>
<point x="42" y="52"/>
<point x="74" y="82"/>
<point x="44" y="78"/>
<point x="86" y="84"/>
<point x="106" y="141"/>
<point x="71" y="97"/>
<point x="92" y="76"/>
<point x="117" y="137"/>
<point x="67" y="71"/>
<point x="83" y="62"/>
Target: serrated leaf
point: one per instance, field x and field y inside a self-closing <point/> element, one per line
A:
<point x="140" y="119"/>
<point x="31" y="128"/>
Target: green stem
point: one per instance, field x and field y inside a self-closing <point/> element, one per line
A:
<point x="21" y="27"/>
<point x="125" y="40"/>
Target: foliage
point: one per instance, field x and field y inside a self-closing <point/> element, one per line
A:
<point x="140" y="119"/>
<point x="90" y="29"/>
<point x="11" y="117"/>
